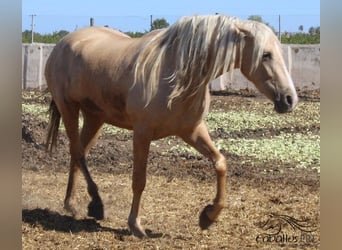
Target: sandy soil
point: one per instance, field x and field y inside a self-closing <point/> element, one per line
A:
<point x="178" y="187"/>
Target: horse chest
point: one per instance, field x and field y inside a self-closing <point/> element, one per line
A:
<point x="169" y="124"/>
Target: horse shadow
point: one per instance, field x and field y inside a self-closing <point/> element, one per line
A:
<point x="54" y="221"/>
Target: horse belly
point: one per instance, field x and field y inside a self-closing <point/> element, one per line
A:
<point x="119" y="120"/>
<point x="113" y="113"/>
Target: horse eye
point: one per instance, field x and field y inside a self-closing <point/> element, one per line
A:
<point x="266" y="56"/>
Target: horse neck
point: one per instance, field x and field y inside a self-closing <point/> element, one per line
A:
<point x="198" y="103"/>
<point x="187" y="89"/>
<point x="193" y="82"/>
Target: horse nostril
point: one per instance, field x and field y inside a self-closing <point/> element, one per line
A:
<point x="289" y="100"/>
<point x="285" y="104"/>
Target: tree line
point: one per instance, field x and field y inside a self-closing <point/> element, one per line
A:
<point x="300" y="37"/>
<point x="43" y="38"/>
<point x="311" y="37"/>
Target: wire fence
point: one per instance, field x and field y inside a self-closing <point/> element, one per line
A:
<point x="44" y="24"/>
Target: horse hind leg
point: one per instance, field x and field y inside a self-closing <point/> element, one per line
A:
<point x="199" y="139"/>
<point x="70" y="115"/>
<point x="89" y="134"/>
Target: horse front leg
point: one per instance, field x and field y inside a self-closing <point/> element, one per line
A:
<point x="141" y="144"/>
<point x="199" y="139"/>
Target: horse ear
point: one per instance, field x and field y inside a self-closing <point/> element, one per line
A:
<point x="244" y="29"/>
<point x="245" y="32"/>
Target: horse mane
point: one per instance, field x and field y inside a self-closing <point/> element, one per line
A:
<point x="204" y="47"/>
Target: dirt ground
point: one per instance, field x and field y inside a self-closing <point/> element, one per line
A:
<point x="178" y="188"/>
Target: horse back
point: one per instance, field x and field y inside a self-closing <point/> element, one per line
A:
<point x="92" y="66"/>
<point x="88" y="58"/>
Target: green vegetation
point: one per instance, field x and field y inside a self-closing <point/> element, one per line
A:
<point x="304" y="115"/>
<point x="40" y="111"/>
<point x="312" y="37"/>
<point x="159" y="24"/>
<point x="43" y="38"/>
<point x="295" y="143"/>
<point x="299" y="147"/>
<point x="302" y="38"/>
<point x="135" y="34"/>
<point x="300" y="150"/>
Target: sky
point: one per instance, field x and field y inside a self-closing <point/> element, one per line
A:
<point x="134" y="15"/>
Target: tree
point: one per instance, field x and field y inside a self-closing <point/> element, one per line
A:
<point x="256" y="18"/>
<point x="312" y="31"/>
<point x="301" y="28"/>
<point x="313" y="37"/>
<point x="159" y="23"/>
<point x="135" y="34"/>
<point x="45" y="38"/>
<point x="26" y="36"/>
<point x="62" y="33"/>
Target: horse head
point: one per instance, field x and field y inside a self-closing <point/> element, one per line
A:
<point x="262" y="62"/>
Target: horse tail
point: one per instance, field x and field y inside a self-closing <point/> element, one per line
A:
<point x="55" y="117"/>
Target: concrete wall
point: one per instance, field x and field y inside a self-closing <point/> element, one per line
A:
<point x="34" y="58"/>
<point x="303" y="62"/>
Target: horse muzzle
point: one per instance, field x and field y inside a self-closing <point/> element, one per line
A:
<point x="284" y="103"/>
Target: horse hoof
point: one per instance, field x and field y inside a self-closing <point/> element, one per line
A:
<point x="140" y="233"/>
<point x="204" y="221"/>
<point x="70" y="209"/>
<point x="95" y="210"/>
<point x="137" y="230"/>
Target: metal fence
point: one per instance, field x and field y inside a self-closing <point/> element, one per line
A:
<point x="50" y="23"/>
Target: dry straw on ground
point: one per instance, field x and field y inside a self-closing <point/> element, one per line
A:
<point x="179" y="184"/>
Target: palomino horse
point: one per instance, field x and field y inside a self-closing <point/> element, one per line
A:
<point x="157" y="86"/>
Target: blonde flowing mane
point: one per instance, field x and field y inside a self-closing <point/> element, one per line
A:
<point x="205" y="47"/>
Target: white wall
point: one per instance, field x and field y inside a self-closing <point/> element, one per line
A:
<point x="303" y="62"/>
<point x="34" y="58"/>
